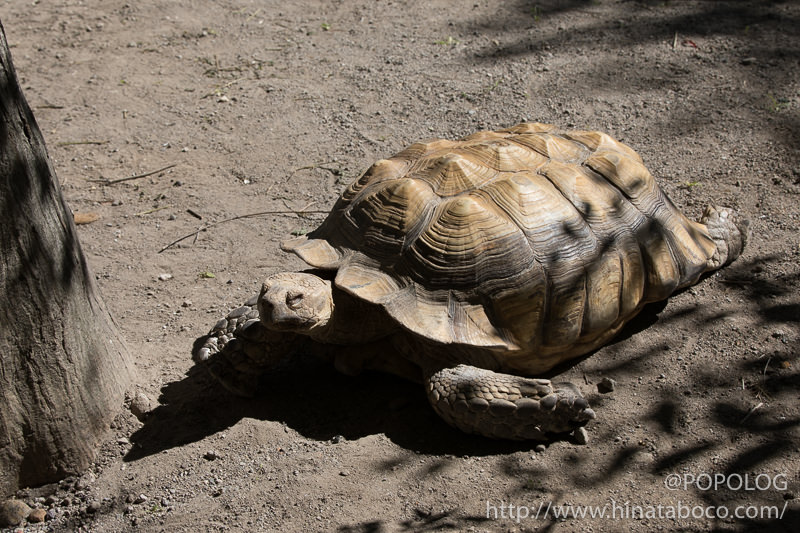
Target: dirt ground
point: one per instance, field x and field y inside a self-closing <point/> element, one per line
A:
<point x="272" y="106"/>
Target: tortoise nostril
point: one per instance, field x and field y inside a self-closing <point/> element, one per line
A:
<point x="294" y="299"/>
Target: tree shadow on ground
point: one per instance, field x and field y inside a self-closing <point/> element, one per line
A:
<point x="764" y="33"/>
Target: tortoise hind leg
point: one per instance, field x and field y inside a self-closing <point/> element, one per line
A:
<point x="239" y="350"/>
<point x="504" y="406"/>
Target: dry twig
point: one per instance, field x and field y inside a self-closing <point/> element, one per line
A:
<point x="251" y="215"/>
<point x="106" y="181"/>
<point x="751" y="411"/>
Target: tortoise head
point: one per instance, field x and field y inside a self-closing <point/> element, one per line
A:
<point x="295" y="301"/>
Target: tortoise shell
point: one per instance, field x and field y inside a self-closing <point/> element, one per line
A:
<point x="533" y="243"/>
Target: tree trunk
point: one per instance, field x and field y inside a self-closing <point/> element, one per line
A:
<point x="64" y="367"/>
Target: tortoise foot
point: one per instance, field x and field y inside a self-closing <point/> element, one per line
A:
<point x="239" y="350"/>
<point x="504" y="406"/>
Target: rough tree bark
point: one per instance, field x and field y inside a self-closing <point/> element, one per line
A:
<point x="64" y="367"/>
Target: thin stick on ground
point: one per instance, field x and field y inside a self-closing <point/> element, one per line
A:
<point x="149" y="211"/>
<point x="332" y="170"/>
<point x="105" y="181"/>
<point x="74" y="143"/>
<point x="753" y="410"/>
<point x="251" y="215"/>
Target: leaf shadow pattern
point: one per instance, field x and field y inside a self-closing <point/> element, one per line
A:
<point x="764" y="33"/>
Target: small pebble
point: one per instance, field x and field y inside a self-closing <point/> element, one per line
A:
<point x="141" y="498"/>
<point x="13" y="512"/>
<point x="186" y="303"/>
<point x="93" y="507"/>
<point x="344" y="473"/>
<point x="140" y="406"/>
<point x="336" y="439"/>
<point x="606" y="385"/>
<point x="85" y="481"/>
<point x="37" y="515"/>
<point x="748" y="60"/>
<point x="581" y="436"/>
<point x="539" y="448"/>
<point x="50" y="515"/>
<point x="164" y="276"/>
<point x="210" y="455"/>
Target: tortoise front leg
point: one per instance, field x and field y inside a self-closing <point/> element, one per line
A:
<point x="239" y="349"/>
<point x="504" y="406"/>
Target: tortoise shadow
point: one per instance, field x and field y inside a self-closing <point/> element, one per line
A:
<point x="318" y="402"/>
<point x="312" y="398"/>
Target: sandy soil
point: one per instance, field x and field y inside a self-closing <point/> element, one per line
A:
<point x="273" y="106"/>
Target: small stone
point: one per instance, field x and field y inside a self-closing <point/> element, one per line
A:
<point x="51" y="500"/>
<point x="93" y="507"/>
<point x="140" y="406"/>
<point x="85" y="481"/>
<point x="336" y="439"/>
<point x="165" y="502"/>
<point x="164" y="276"/>
<point x="13" y="512"/>
<point x="36" y="516"/>
<point x="748" y="60"/>
<point x="539" y="448"/>
<point x="606" y="385"/>
<point x="581" y="435"/>
<point x="124" y="441"/>
<point x="50" y="515"/>
<point x="344" y="473"/>
<point x="141" y="498"/>
<point x="211" y="455"/>
<point x="186" y="303"/>
<point x="128" y="509"/>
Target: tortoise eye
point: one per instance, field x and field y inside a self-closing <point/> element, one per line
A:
<point x="294" y="299"/>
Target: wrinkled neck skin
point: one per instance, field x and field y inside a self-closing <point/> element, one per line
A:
<point x="353" y="321"/>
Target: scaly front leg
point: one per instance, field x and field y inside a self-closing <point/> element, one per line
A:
<point x="503" y="406"/>
<point x="239" y="350"/>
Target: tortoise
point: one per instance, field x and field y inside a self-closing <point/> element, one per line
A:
<point x="472" y="266"/>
